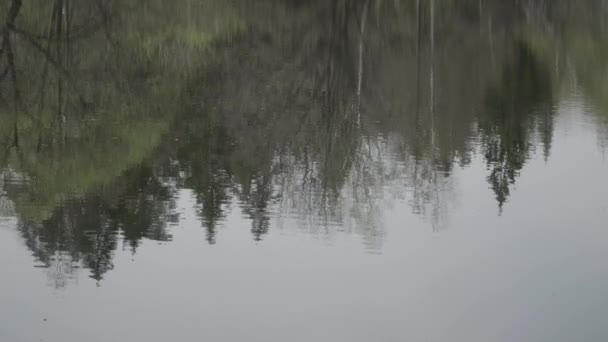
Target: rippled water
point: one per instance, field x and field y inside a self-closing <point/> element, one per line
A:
<point x="297" y="171"/>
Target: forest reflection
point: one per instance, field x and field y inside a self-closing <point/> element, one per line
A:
<point x="319" y="111"/>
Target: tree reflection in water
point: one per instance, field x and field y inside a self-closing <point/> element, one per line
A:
<point x="323" y="113"/>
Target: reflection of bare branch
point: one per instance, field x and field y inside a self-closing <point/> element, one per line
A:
<point x="46" y="54"/>
<point x="80" y="33"/>
<point x="49" y="59"/>
<point x="9" y="25"/>
<point x="7" y="48"/>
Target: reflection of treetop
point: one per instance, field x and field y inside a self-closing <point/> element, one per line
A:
<point x="314" y="110"/>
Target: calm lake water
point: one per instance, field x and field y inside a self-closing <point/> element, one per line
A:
<point x="303" y="170"/>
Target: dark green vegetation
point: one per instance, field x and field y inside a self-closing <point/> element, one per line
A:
<point x="110" y="107"/>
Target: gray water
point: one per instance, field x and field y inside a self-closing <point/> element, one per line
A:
<point x="303" y="171"/>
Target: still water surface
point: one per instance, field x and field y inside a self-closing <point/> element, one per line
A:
<point x="301" y="171"/>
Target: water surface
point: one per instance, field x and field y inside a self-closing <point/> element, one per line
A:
<point x="298" y="171"/>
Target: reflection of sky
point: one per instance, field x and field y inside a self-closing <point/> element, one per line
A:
<point x="535" y="273"/>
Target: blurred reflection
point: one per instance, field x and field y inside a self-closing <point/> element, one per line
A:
<point x="326" y="113"/>
<point x="518" y="106"/>
<point x="85" y="230"/>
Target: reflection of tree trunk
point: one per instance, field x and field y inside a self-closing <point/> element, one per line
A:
<point x="16" y="98"/>
<point x="557" y="60"/>
<point x="60" y="58"/>
<point x="435" y="191"/>
<point x="418" y="40"/>
<point x="432" y="76"/>
<point x="480" y="17"/>
<point x="360" y="72"/>
<point x="491" y="41"/>
<point x="417" y="109"/>
<point x="47" y="60"/>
